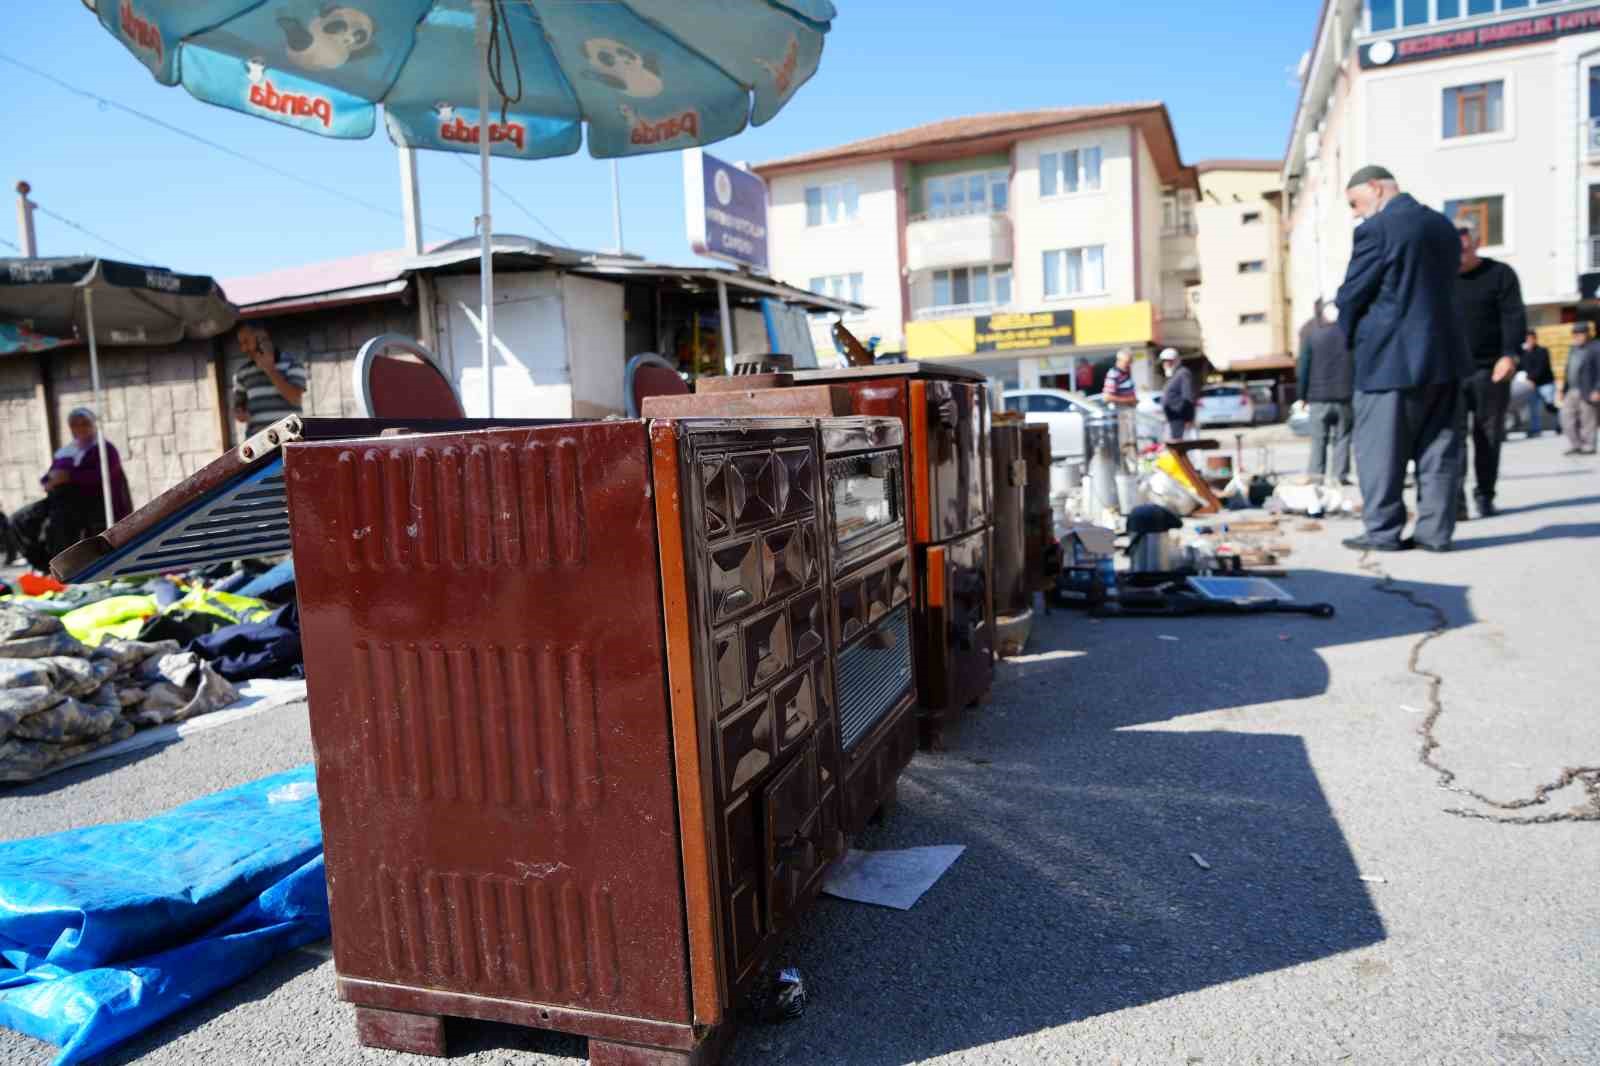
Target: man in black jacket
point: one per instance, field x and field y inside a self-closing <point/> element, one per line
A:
<point x="1535" y="362"/>
<point x="1495" y="322"/>
<point x="1177" y="399"/>
<point x="1397" y="308"/>
<point x="1325" y="381"/>
<point x="1580" y="398"/>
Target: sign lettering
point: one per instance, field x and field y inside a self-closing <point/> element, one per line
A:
<point x="1026" y="331"/>
<point x="1392" y="52"/>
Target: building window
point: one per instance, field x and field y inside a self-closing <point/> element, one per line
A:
<point x="1177" y="213"/>
<point x="1075" y="271"/>
<point x="1065" y="173"/>
<point x="966" y="194"/>
<point x="1489" y="212"/>
<point x="983" y="286"/>
<point x="1250" y="218"/>
<point x="1473" y="109"/>
<point x="839" y="286"/>
<point x="830" y="205"/>
<point x="1254" y="318"/>
<point x="1383" y="15"/>
<point x="1253" y="266"/>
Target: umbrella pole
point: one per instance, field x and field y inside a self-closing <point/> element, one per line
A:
<point x="99" y="411"/>
<point x="727" y="326"/>
<point x="485" y="227"/>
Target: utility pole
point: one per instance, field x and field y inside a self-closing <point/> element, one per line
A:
<point x="25" y="206"/>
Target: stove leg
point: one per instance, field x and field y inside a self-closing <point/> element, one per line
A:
<point x="392" y="1030"/>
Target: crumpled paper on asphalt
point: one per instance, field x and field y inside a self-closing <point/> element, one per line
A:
<point x="60" y="699"/>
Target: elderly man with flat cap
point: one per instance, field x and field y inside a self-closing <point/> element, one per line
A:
<point x="1398" y="309"/>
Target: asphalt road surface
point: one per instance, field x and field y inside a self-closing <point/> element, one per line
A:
<point x="1346" y="917"/>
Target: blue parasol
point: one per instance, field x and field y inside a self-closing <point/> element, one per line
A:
<point x="645" y="75"/>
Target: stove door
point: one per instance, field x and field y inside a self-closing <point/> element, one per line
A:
<point x="956" y="662"/>
<point x="950" y="439"/>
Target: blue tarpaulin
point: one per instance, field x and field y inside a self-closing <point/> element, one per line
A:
<point x="105" y="931"/>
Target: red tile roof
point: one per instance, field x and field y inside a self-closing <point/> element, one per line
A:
<point x="955" y="130"/>
<point x="1206" y="166"/>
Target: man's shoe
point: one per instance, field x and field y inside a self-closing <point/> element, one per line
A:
<point x="1366" y="544"/>
<point x="1437" y="549"/>
<point x="1486" y="508"/>
<point x="1573" y="451"/>
<point x="1462" y="514"/>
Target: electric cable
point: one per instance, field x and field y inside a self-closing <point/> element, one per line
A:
<point x="214" y="145"/>
<point x="45" y="211"/>
<point x="518" y="204"/>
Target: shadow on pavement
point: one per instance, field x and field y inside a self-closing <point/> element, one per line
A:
<point x="1551" y="505"/>
<point x="62" y="779"/>
<point x="1565" y="531"/>
<point x="1078" y="895"/>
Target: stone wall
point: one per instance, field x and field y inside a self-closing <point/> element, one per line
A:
<point x="162" y="409"/>
<point x="327" y="342"/>
<point x="24" y="440"/>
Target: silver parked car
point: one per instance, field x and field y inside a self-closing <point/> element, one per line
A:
<point x="1225" y="405"/>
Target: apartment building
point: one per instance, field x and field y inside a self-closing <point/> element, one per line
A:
<point x="1242" y="305"/>
<point x="1020" y="244"/>
<point x="1484" y="109"/>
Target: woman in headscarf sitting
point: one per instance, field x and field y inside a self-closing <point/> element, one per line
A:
<point x="73" y="507"/>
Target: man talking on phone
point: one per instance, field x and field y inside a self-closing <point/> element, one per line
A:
<point x="270" y="386"/>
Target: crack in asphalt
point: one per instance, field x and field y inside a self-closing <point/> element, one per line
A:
<point x="1587" y="776"/>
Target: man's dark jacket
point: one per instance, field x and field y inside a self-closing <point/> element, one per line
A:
<point x="1177" y="399"/>
<point x="1324" y="372"/>
<point x="1535" y="362"/>
<point x="1397" y="305"/>
<point x="1583" y="370"/>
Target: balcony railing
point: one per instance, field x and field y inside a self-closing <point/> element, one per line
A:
<point x="1591" y="254"/>
<point x="957" y="212"/>
<point x="1180" y="229"/>
<point x="1594" y="137"/>
<point x="933" y="243"/>
<point x="955" y="310"/>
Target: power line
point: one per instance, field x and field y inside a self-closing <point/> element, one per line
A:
<point x="8" y="244"/>
<point x="515" y="202"/>
<point x="89" y="233"/>
<point x="214" y="145"/>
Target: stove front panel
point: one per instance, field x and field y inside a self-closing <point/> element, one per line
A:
<point x="483" y="638"/>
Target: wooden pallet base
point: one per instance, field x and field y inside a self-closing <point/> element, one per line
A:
<point x="423" y="1034"/>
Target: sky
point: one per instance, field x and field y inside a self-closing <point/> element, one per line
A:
<point x="149" y="194"/>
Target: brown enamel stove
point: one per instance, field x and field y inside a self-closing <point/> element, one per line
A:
<point x="594" y="706"/>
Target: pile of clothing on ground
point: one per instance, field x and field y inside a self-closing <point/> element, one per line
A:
<point x="86" y="666"/>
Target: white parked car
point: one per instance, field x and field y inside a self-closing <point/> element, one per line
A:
<point x="1224" y="405"/>
<point x="1065" y="414"/>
